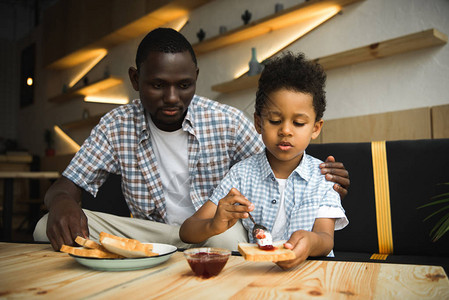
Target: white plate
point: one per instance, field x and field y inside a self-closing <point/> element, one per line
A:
<point x="127" y="264"/>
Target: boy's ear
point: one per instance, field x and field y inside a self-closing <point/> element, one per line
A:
<point x="258" y="123"/>
<point x="134" y="78"/>
<point x="317" y="128"/>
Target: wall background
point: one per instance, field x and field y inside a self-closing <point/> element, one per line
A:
<point x="412" y="80"/>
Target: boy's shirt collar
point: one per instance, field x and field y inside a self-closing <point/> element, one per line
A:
<point x="303" y="170"/>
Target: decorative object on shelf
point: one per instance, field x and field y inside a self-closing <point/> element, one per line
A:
<point x="86" y="80"/>
<point x="64" y="88"/>
<point x="246" y="17"/>
<point x="278" y="7"/>
<point x="201" y="34"/>
<point x="299" y="14"/>
<point x="222" y="29"/>
<point x="106" y="73"/>
<point x="255" y="67"/>
<point x="85" y="114"/>
<point x="49" y="141"/>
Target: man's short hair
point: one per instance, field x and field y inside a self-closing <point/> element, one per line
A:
<point x="164" y="40"/>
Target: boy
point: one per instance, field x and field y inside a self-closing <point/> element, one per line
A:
<point x="282" y="186"/>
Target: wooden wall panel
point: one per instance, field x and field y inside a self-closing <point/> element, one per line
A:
<point x="400" y="125"/>
<point x="440" y="121"/>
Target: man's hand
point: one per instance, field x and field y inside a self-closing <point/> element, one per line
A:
<point x="66" y="221"/>
<point x="228" y="212"/>
<point x="336" y="172"/>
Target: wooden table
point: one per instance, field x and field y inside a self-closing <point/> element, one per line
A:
<point x="8" y="194"/>
<point x="35" y="270"/>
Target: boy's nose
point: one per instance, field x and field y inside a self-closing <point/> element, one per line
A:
<point x="285" y="130"/>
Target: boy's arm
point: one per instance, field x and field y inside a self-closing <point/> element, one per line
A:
<point x="211" y="219"/>
<point x="318" y="242"/>
<point x="198" y="227"/>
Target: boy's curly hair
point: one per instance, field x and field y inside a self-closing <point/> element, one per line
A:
<point x="295" y="73"/>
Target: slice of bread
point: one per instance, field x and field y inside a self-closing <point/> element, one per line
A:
<point x="89" y="252"/>
<point x="252" y="252"/>
<point x="88" y="243"/>
<point x="126" y="247"/>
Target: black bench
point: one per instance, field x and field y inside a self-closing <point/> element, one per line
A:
<point x="416" y="168"/>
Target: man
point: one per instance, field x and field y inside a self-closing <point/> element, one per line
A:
<point x="170" y="147"/>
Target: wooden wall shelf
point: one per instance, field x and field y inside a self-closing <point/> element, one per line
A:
<point x="287" y="17"/>
<point x="89" y="89"/>
<point x="80" y="27"/>
<point x="411" y="42"/>
<point x="88" y="122"/>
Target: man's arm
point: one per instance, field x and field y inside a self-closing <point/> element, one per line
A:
<point x="66" y="219"/>
<point x="336" y="172"/>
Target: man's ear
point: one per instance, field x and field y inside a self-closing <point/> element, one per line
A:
<point x="134" y="78"/>
<point x="317" y="128"/>
<point x="258" y="123"/>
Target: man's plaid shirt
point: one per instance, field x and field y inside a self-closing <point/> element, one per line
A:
<point x="219" y="136"/>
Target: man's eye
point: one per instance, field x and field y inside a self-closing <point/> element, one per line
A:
<point x="184" y="85"/>
<point x="157" y="85"/>
<point x="274" y="122"/>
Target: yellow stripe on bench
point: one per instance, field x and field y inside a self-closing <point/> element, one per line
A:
<point x="379" y="256"/>
<point x="382" y="196"/>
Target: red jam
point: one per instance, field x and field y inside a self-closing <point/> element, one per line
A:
<point x="207" y="265"/>
<point x="267" y="247"/>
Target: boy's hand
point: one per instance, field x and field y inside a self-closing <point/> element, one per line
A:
<point x="336" y="172"/>
<point x="300" y="243"/>
<point x="228" y="213"/>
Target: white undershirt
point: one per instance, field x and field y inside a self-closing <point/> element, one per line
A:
<point x="170" y="148"/>
<point x="281" y="217"/>
<point x="280" y="222"/>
